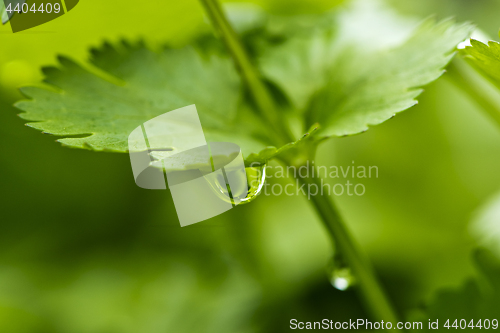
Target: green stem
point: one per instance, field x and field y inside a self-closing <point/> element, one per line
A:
<point x="481" y="90"/>
<point x="250" y="74"/>
<point x="369" y="289"/>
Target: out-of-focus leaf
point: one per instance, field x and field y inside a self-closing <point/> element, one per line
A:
<point x="485" y="57"/>
<point x="245" y="17"/>
<point x="485" y="225"/>
<point x="317" y="41"/>
<point x="163" y="292"/>
<point x="476" y="300"/>
<point x="345" y="89"/>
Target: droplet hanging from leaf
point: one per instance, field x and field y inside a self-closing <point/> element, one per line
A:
<point x="339" y="273"/>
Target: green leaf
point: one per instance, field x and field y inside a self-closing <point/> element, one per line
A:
<point x="484" y="225"/>
<point x="133" y="85"/>
<point x="272" y="152"/>
<point x="484" y="57"/>
<point x="346" y="88"/>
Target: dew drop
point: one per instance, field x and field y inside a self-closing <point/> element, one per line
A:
<point x="255" y="178"/>
<point x="221" y="188"/>
<point x="340" y="274"/>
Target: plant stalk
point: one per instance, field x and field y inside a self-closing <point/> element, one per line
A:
<point x="261" y="96"/>
<point x="368" y="287"/>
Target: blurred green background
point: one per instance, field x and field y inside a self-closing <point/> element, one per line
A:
<point x="83" y="249"/>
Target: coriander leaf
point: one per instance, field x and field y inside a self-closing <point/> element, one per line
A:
<point x="134" y="85"/>
<point x="345" y="88"/>
<point x="484" y="57"/>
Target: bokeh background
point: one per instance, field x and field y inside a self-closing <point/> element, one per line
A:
<point x="84" y="250"/>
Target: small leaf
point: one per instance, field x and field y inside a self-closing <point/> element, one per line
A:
<point x="272" y="152"/>
<point x="485" y="227"/>
<point x="485" y="57"/>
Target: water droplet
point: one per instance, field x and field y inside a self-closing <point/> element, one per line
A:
<point x="340" y="274"/>
<point x="221" y="188"/>
<point x="256" y="177"/>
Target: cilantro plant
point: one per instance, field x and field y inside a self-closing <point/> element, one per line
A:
<point x="277" y="87"/>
